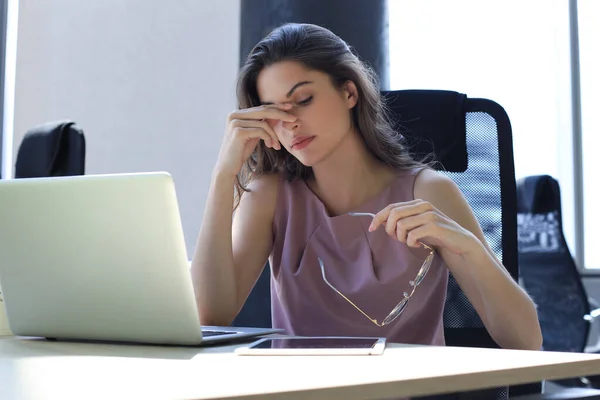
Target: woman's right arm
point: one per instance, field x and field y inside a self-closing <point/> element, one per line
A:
<point x="232" y="250"/>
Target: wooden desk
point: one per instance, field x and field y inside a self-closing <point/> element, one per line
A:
<point x="35" y="369"/>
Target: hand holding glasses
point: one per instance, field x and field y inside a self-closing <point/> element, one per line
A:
<point x="400" y="307"/>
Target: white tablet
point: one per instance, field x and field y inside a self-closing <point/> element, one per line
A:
<point x="315" y="345"/>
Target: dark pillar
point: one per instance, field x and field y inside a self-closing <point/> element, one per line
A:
<point x="363" y="24"/>
<point x="3" y="24"/>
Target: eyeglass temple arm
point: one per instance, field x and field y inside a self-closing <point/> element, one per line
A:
<point x="367" y="214"/>
<point x="341" y="294"/>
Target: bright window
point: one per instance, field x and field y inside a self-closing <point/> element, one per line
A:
<point x="589" y="58"/>
<point x="513" y="52"/>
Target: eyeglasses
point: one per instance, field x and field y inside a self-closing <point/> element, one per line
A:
<point x="396" y="311"/>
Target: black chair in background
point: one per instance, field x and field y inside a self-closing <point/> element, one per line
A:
<point x="549" y="274"/>
<point x="472" y="143"/>
<point x="51" y="149"/>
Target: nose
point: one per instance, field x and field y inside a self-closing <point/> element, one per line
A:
<point x="290" y="126"/>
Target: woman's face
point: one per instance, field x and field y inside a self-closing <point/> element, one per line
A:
<point x="322" y="111"/>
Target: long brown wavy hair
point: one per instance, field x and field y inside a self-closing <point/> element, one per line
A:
<point x="318" y="49"/>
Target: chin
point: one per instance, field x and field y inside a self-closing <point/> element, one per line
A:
<point x="310" y="159"/>
<point x="306" y="162"/>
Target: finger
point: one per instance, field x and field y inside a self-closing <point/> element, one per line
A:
<point x="390" y="224"/>
<point x="415" y="207"/>
<point x="394" y="218"/>
<point x="401" y="231"/>
<point x="380" y="218"/>
<point x="245" y="123"/>
<point x="266" y="112"/>
<point x="383" y="215"/>
<point x="253" y="133"/>
<point x="407" y="224"/>
<point x="269" y="129"/>
<point x="240" y="127"/>
<point x="281" y="106"/>
<point x="415" y="236"/>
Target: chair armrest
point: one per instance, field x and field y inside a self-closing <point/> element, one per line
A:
<point x="592" y="318"/>
<point x="595" y="313"/>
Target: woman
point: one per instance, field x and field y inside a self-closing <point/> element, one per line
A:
<point x="352" y="226"/>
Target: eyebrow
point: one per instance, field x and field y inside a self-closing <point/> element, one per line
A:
<point x="291" y="92"/>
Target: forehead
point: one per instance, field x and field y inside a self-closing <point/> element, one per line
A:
<point x="275" y="81"/>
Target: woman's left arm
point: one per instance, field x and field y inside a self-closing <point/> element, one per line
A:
<point x="441" y="217"/>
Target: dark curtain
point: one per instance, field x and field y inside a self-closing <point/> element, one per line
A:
<point x="363" y="24"/>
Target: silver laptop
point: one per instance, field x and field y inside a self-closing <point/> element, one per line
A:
<point x="100" y="257"/>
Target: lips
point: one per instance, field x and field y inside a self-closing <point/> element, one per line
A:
<point x="301" y="141"/>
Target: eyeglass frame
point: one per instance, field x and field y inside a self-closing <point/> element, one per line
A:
<point x="400" y="307"/>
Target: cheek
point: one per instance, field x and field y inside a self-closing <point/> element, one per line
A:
<point x="313" y="116"/>
<point x="330" y="118"/>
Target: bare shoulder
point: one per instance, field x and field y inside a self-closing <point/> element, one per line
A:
<point x="431" y="185"/>
<point x="263" y="188"/>
<point x="252" y="223"/>
<point x="262" y="194"/>
<point x="265" y="184"/>
<point x="442" y="192"/>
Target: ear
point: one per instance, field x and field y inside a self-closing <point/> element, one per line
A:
<point x="350" y="93"/>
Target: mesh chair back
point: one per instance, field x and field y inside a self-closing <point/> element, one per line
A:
<point x="486" y="179"/>
<point x="546" y="267"/>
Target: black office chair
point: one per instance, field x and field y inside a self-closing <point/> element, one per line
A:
<point x="472" y="142"/>
<point x="549" y="274"/>
<point x="51" y="149"/>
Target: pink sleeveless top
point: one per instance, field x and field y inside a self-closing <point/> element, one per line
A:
<point x="370" y="268"/>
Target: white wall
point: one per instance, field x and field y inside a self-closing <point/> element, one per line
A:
<point x="149" y="81"/>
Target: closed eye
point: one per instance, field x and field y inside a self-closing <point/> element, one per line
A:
<point x="305" y="101"/>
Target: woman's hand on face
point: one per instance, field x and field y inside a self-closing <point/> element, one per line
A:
<point x="245" y="128"/>
<point x="418" y="221"/>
